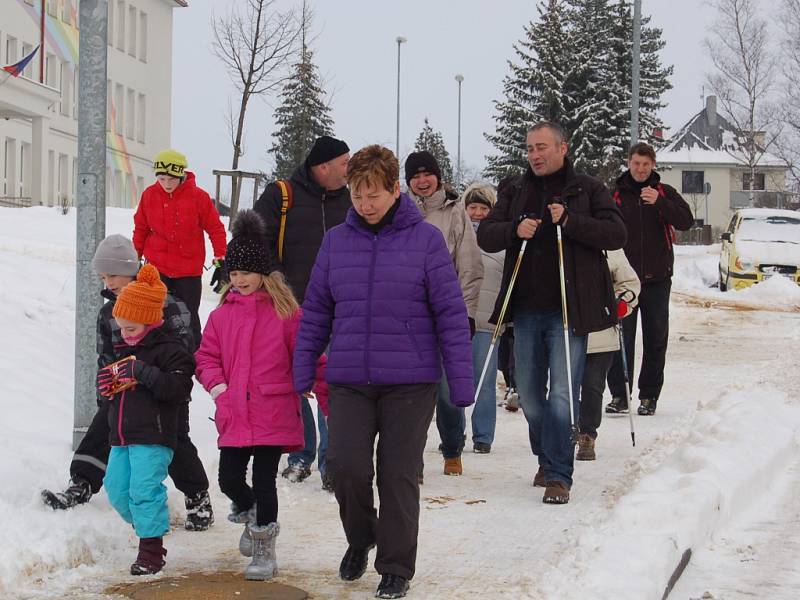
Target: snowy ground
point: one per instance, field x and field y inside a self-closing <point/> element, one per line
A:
<point x="717" y="470"/>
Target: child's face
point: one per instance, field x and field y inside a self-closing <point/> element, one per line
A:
<point x="130" y="329"/>
<point x="115" y="283"/>
<point x="245" y="282"/>
<point x="167" y="182"/>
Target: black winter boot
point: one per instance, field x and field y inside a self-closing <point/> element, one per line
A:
<point x="618" y="404"/>
<point x="647" y="406"/>
<point x="151" y="557"/>
<point x="354" y="562"/>
<point x="78" y="492"/>
<point x="199" y="514"/>
<point x="392" y="586"/>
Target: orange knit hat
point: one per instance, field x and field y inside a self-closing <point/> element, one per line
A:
<point x="142" y="301"/>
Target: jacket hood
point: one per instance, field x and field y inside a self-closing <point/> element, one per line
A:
<point x="234" y="297"/>
<point x="189" y="184"/>
<point x="407" y="215"/>
<point x="436" y="201"/>
<point x="302" y="177"/>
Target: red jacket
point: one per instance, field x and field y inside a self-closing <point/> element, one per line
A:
<point x="168" y="228"/>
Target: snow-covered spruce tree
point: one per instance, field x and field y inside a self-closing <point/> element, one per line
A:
<point x="432" y="141"/>
<point x="301" y="117"/>
<point x="533" y="89"/>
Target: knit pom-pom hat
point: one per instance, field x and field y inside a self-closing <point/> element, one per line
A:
<point x="248" y="250"/>
<point x="142" y="301"/>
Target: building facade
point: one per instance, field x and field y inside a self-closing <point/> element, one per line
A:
<point x="39" y="109"/>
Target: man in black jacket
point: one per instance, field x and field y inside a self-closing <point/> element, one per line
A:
<point x="551" y="193"/>
<point x="320" y="200"/>
<point x="652" y="211"/>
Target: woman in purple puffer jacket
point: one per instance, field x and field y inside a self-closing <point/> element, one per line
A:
<point x="384" y="294"/>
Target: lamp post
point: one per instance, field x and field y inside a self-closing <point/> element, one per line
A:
<point x="636" y="70"/>
<point x="400" y="40"/>
<point x="459" y="79"/>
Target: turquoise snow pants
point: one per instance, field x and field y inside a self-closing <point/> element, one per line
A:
<point x="134" y="486"/>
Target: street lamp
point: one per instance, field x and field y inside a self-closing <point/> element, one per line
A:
<point x="459" y="79"/>
<point x="400" y="40"/>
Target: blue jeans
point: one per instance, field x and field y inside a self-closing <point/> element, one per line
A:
<point x="540" y="354"/>
<point x="484" y="414"/>
<point x="450" y="422"/>
<point x="307" y="455"/>
<point x="134" y="484"/>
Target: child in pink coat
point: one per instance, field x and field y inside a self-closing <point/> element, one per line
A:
<point x="245" y="363"/>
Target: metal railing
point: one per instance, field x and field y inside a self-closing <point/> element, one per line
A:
<point x="15" y="201"/>
<point x="764" y="199"/>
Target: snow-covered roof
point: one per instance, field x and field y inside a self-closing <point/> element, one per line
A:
<point x="698" y="155"/>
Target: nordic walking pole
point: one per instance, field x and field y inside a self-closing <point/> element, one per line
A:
<point x="627" y="381"/>
<point x="565" y="319"/>
<point x="499" y="325"/>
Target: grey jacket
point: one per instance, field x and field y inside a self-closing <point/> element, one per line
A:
<point x="625" y="280"/>
<point x="445" y="211"/>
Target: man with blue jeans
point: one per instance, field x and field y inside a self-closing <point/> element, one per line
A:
<point x="550" y="194"/>
<point x="300" y="462"/>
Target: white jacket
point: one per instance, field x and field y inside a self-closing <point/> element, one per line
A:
<point x="625" y="280"/>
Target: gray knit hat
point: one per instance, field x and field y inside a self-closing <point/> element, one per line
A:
<point x="115" y="255"/>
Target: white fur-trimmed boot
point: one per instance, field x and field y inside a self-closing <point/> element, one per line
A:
<point x="264" y="564"/>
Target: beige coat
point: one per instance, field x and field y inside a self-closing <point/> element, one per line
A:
<point x="448" y="215"/>
<point x="625" y="280"/>
<point x="492" y="279"/>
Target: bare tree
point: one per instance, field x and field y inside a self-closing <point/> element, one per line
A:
<point x="255" y="43"/>
<point x="788" y="145"/>
<point x="743" y="79"/>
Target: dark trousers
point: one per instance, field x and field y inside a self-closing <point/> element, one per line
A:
<point x="233" y="479"/>
<point x="450" y="421"/>
<point x="592" y="387"/>
<point x="398" y="415"/>
<point x="505" y="356"/>
<point x="654" y="307"/>
<point x="90" y="459"/>
<point x="190" y="290"/>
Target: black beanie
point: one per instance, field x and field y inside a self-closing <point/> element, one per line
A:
<point x="420" y="162"/>
<point x="248" y="250"/>
<point x="324" y="149"/>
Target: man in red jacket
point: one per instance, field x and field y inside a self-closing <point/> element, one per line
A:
<point x="652" y="211"/>
<point x="168" y="230"/>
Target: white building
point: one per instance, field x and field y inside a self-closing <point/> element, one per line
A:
<point x="39" y="112"/>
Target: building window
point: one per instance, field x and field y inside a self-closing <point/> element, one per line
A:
<point x="130" y="114"/>
<point x="74" y="180"/>
<point x="110" y="31"/>
<point x="64" y="84"/>
<point x="132" y="31"/>
<point x="11" y="50"/>
<point x="140" y="110"/>
<point x="139" y="188"/>
<point x="52" y="8"/>
<point x="28" y="70"/>
<point x="692" y="182"/>
<point x="143" y="37"/>
<point x="759" y="181"/>
<point x="119" y="101"/>
<point x="120" y="25"/>
<point x="66" y="12"/>
<point x="109" y="105"/>
<point x="75" y="80"/>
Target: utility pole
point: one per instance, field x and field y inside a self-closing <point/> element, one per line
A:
<point x="459" y="79"/>
<point x="635" y="75"/>
<point x="400" y="40"/>
<point x="91" y="215"/>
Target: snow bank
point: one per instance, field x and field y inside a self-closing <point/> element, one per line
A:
<point x="735" y="445"/>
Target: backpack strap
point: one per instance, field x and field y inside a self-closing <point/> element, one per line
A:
<point x="286" y="204"/>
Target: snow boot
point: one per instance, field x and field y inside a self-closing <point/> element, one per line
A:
<point x="199" y="514"/>
<point x="354" y="562"/>
<point x="618" y="404"/>
<point x="151" y="557"/>
<point x="246" y="517"/>
<point x="647" y="406"/>
<point x="511" y="401"/>
<point x="392" y="586"/>
<point x="585" y="447"/>
<point x="327" y="483"/>
<point x="264" y="565"/>
<point x="78" y="492"/>
<point x="296" y="473"/>
<point x="452" y="466"/>
<point x="538" y="479"/>
<point x="481" y="448"/>
<point x="556" y="492"/>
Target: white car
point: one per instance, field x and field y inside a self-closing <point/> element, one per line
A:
<point x="759" y="243"/>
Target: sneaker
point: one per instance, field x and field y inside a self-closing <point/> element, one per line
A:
<point x="78" y="492"/>
<point x="512" y="400"/>
<point x="556" y="492"/>
<point x="452" y="466"/>
<point x="647" y="406"/>
<point x="296" y="473"/>
<point x="538" y="479"/>
<point x="618" y="404"/>
<point x="354" y="562"/>
<point x="392" y="586"/>
<point x="481" y="448"/>
<point x="327" y="483"/>
<point x="199" y="514"/>
<point x="585" y="447"/>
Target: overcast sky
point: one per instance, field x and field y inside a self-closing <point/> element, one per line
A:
<point x="356" y="52"/>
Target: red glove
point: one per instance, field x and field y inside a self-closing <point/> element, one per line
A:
<point x="622" y="309"/>
<point x="104" y="382"/>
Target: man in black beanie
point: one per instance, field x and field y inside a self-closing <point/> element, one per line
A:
<point x="319" y="200"/>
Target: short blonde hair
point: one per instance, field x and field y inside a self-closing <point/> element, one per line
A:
<point x="275" y="285"/>
<point x="373" y="165"/>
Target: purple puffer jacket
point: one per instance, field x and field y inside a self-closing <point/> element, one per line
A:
<point x="390" y="305"/>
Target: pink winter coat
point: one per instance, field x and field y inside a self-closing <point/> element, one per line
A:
<point x="249" y="348"/>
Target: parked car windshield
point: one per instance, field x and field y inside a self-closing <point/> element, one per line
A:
<point x="770" y="229"/>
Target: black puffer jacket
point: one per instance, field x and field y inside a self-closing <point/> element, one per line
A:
<point x="148" y="413"/>
<point x="314" y="211"/>
<point x="651" y="227"/>
<point x="593" y="225"/>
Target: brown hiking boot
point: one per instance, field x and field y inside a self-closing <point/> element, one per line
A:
<point x="556" y="492"/>
<point x="538" y="479"/>
<point x="585" y="447"/>
<point x="452" y="466"/>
